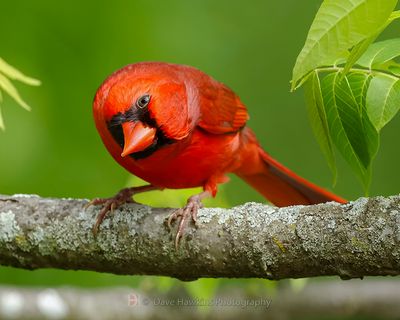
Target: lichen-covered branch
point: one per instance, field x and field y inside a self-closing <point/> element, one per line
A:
<point x="357" y="239"/>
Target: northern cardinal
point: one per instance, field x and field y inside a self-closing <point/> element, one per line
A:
<point x="176" y="127"/>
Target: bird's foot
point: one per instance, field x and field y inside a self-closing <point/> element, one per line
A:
<point x="187" y="213"/>
<point x="110" y="204"/>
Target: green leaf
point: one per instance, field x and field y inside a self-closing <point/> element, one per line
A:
<point x="15" y="74"/>
<point x="9" y="72"/>
<point x="394" y="68"/>
<point x="360" y="48"/>
<point x="359" y="84"/>
<point x="350" y="128"/>
<point x="383" y="100"/>
<point x="338" y="26"/>
<point x="394" y="16"/>
<point x="8" y="87"/>
<point x="318" y="121"/>
<point x="380" y="53"/>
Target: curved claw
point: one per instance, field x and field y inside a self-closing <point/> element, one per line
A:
<point x="172" y="217"/>
<point x="94" y="202"/>
<point x="88" y="204"/>
<point x="110" y="204"/>
<point x="189" y="211"/>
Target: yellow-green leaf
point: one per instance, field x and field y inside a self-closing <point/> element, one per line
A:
<point x="14" y="74"/>
<point x="350" y="128"/>
<point x="318" y="121"/>
<point x="380" y="53"/>
<point x="383" y="100"/>
<point x="9" y="88"/>
<point x="338" y="26"/>
<point x="360" y="48"/>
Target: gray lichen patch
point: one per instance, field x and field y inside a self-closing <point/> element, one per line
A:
<point x="358" y="208"/>
<point x="86" y="218"/>
<point x="205" y="216"/>
<point x="9" y="228"/>
<point x="21" y="195"/>
<point x="36" y="236"/>
<point x="131" y="213"/>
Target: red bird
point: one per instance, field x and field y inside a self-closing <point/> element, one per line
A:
<point x="176" y="127"/>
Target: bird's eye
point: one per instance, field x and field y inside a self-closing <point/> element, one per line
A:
<point x="143" y="101"/>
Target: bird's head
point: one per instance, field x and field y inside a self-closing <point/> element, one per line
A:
<point x="143" y="106"/>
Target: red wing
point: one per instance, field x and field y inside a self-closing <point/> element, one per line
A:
<point x="221" y="109"/>
<point x="169" y="109"/>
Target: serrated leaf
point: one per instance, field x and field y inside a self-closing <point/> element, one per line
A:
<point x="15" y="74"/>
<point x="9" y="88"/>
<point x="318" y="121"/>
<point x="383" y="100"/>
<point x="338" y="26"/>
<point x="350" y="129"/>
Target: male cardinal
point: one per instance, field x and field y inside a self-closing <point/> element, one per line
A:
<point x="176" y="127"/>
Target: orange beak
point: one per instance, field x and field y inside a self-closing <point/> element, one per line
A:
<point x="137" y="137"/>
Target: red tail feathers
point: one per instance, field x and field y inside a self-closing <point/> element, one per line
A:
<point x="283" y="187"/>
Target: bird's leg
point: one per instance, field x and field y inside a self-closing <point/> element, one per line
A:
<point x="189" y="211"/>
<point x="109" y="204"/>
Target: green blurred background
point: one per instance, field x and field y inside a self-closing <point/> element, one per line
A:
<point x="72" y="46"/>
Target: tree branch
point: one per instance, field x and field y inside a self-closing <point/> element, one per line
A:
<point x="252" y="240"/>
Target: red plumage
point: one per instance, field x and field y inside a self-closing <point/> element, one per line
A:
<point x="197" y="127"/>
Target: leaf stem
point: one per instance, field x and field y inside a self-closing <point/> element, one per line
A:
<point x="359" y="70"/>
